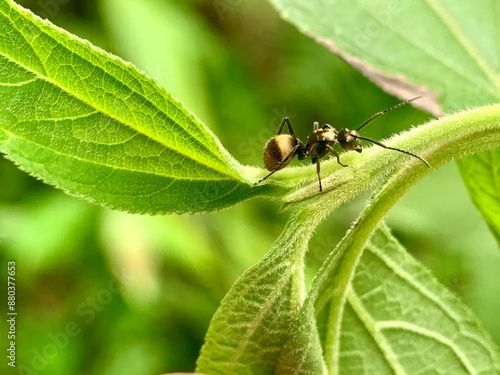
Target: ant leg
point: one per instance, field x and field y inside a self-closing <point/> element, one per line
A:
<point x="262" y="179"/>
<point x="319" y="177"/>
<point x="332" y="150"/>
<point x="286" y="121"/>
<point x="281" y="125"/>
<point x="395" y="149"/>
<point x="280" y="165"/>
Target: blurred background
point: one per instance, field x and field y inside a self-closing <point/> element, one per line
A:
<point x="104" y="292"/>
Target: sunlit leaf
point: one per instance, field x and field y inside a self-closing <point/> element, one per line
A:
<point x="84" y="120"/>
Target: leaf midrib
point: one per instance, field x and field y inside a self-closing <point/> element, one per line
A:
<point x="111" y="166"/>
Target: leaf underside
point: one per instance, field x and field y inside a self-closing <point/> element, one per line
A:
<point x="392" y="316"/>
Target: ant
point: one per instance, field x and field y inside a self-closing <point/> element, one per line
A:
<point x="281" y="149"/>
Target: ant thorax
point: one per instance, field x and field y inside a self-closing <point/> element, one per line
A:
<point x="326" y="133"/>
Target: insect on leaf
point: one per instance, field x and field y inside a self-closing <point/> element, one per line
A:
<point x="434" y="48"/>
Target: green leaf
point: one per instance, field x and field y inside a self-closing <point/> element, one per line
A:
<point x="436" y="48"/>
<point x="147" y="21"/>
<point x="250" y="327"/>
<point x="385" y="313"/>
<point x="91" y="124"/>
<point x="403" y="45"/>
<point x="481" y="174"/>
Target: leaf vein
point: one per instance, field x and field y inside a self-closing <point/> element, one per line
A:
<point x="464" y="42"/>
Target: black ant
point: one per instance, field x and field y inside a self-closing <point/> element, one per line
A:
<point x="281" y="149"/>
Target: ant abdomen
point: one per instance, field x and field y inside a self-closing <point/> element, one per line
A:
<point x="279" y="151"/>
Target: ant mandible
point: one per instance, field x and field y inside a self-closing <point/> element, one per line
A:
<point x="282" y="148"/>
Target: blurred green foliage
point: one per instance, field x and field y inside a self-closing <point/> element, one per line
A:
<point x="141" y="290"/>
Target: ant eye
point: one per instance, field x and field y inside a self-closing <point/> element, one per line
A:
<point x="348" y="140"/>
<point x="356" y="145"/>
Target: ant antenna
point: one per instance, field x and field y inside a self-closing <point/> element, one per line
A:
<point x="393" y="148"/>
<point x="378" y="114"/>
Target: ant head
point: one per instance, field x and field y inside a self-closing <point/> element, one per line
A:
<point x="348" y="140"/>
<point x="279" y="151"/>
